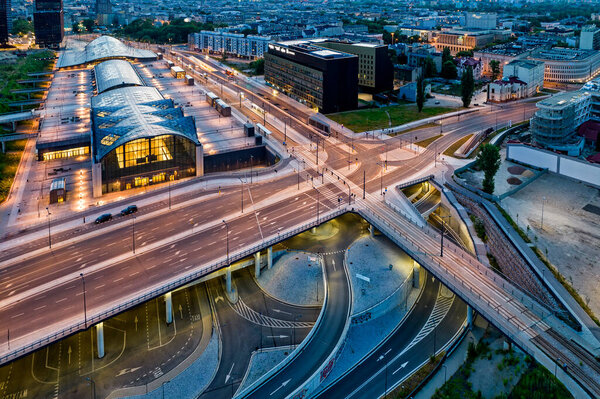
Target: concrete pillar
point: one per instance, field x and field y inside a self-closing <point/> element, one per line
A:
<point x="257" y="264"/>
<point x="507" y="345"/>
<point x="371" y="230"/>
<point x="269" y="257"/>
<point x="228" y="280"/>
<point x="469" y="316"/>
<point x="14" y="126"/>
<point x="100" y="339"/>
<point x="199" y="160"/>
<point x="96" y="179"/>
<point x="4" y="147"/>
<point x="416" y="274"/>
<point x="169" y="307"/>
<point x="313" y="230"/>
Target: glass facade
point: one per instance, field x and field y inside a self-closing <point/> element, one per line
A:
<point x="72" y="152"/>
<point x="148" y="161"/>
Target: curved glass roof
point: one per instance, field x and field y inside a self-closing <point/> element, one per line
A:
<point x="129" y="113"/>
<point x="115" y="73"/>
<point x="102" y="48"/>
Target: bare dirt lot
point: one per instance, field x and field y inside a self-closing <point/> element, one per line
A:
<point x="570" y="235"/>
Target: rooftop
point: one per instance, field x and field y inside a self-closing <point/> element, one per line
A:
<point x="102" y="48"/>
<point x="564" y="54"/>
<point x="307" y="47"/>
<point x="563" y="100"/>
<point x="529" y="64"/>
<point x="115" y="73"/>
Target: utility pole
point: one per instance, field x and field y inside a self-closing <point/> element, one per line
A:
<point x="133" y="233"/>
<point x="349" y="195"/>
<point x="251" y="162"/>
<point x="364" y="182"/>
<point x="49" y="237"/>
<point x="227" y="227"/>
<point x="242" y="194"/>
<point x="84" y="301"/>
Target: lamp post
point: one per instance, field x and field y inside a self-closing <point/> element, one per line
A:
<point x="84" y="302"/>
<point x="442" y="235"/>
<point x="93" y="385"/>
<point x="169" y="192"/>
<point x="251" y="162"/>
<point x="318" y="201"/>
<point x="227" y="227"/>
<point x="242" y="193"/>
<point x="543" y="202"/>
<point x="49" y="237"/>
<point x="163" y="388"/>
<point x="133" y="233"/>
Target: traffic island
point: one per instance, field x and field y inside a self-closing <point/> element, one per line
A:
<point x="295" y="278"/>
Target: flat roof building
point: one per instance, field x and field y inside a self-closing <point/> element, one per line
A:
<point x="568" y="65"/>
<point x="48" y="23"/>
<point x="462" y="40"/>
<point x="320" y="78"/>
<point x="235" y="44"/>
<point x="589" y="38"/>
<point x="375" y="69"/>
<point x="5" y="20"/>
<point x="504" y="54"/>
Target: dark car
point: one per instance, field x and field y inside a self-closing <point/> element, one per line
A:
<point x="103" y="218"/>
<point x="129" y="210"/>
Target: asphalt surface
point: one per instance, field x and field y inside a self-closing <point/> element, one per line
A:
<point x="393" y="360"/>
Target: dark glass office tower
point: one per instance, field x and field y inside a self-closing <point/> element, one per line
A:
<point x="5" y="21"/>
<point x="48" y="23"/>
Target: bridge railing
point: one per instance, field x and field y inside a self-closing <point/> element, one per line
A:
<point x="24" y="349"/>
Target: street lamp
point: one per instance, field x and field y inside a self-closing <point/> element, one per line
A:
<point x="242" y="193"/>
<point x="84" y="304"/>
<point x="133" y="233"/>
<point x="227" y="227"/>
<point x="49" y="237"/>
<point x="442" y="235"/>
<point x="93" y="385"/>
<point x="251" y="162"/>
<point x="543" y="202"/>
<point x="163" y="388"/>
<point x="318" y="201"/>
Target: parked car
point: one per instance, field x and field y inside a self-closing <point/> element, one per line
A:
<point x="103" y="218"/>
<point x="437" y="102"/>
<point x="130" y="209"/>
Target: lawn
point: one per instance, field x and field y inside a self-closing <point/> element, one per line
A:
<point x="452" y="149"/>
<point x="377" y="118"/>
<point x="425" y="143"/>
<point x="8" y="166"/>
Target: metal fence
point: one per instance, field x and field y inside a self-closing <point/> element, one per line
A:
<point x="82" y="325"/>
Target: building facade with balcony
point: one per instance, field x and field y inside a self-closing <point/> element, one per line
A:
<point x="235" y="44"/>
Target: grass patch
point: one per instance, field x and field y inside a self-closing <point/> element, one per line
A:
<point x="425" y="143"/>
<point x="414" y="380"/>
<point x="454" y="147"/>
<point x="377" y="118"/>
<point x="538" y="383"/>
<point x="8" y="168"/>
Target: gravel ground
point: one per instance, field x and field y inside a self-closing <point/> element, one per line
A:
<point x="294" y="278"/>
<point x="261" y="363"/>
<point x="192" y="381"/>
<point x="371" y="257"/>
<point x="570" y="234"/>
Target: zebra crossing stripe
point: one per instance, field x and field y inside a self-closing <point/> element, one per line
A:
<point x="254" y="317"/>
<point x="440" y="310"/>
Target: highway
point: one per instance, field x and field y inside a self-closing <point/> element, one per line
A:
<point x="433" y="321"/>
<point x="43" y="293"/>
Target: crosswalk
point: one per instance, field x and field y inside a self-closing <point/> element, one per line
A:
<point x="440" y="310"/>
<point x="254" y="317"/>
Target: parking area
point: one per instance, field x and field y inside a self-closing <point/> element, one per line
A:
<point x="139" y="345"/>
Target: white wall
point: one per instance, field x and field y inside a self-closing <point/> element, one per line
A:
<point x="532" y="156"/>
<point x="563" y="165"/>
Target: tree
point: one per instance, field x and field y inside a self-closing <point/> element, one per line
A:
<point x="467" y="86"/>
<point x="402" y="59"/>
<point x="420" y="92"/>
<point x="465" y="53"/>
<point x="488" y="160"/>
<point x="495" y="67"/>
<point x="75" y="27"/>
<point x="429" y="68"/>
<point x="21" y="27"/>
<point x="88" y="23"/>
<point x="258" y="66"/>
<point x="449" y="70"/>
<point x="446" y="56"/>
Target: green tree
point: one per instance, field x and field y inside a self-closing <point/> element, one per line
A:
<point x="488" y="160"/>
<point x="446" y="56"/>
<point x="75" y="27"/>
<point x="420" y="92"/>
<point x="467" y="86"/>
<point x="21" y="27"/>
<point x="465" y="53"/>
<point x="258" y="66"/>
<point x="495" y="67"/>
<point x="449" y="70"/>
<point x="88" y="23"/>
<point x="429" y="68"/>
